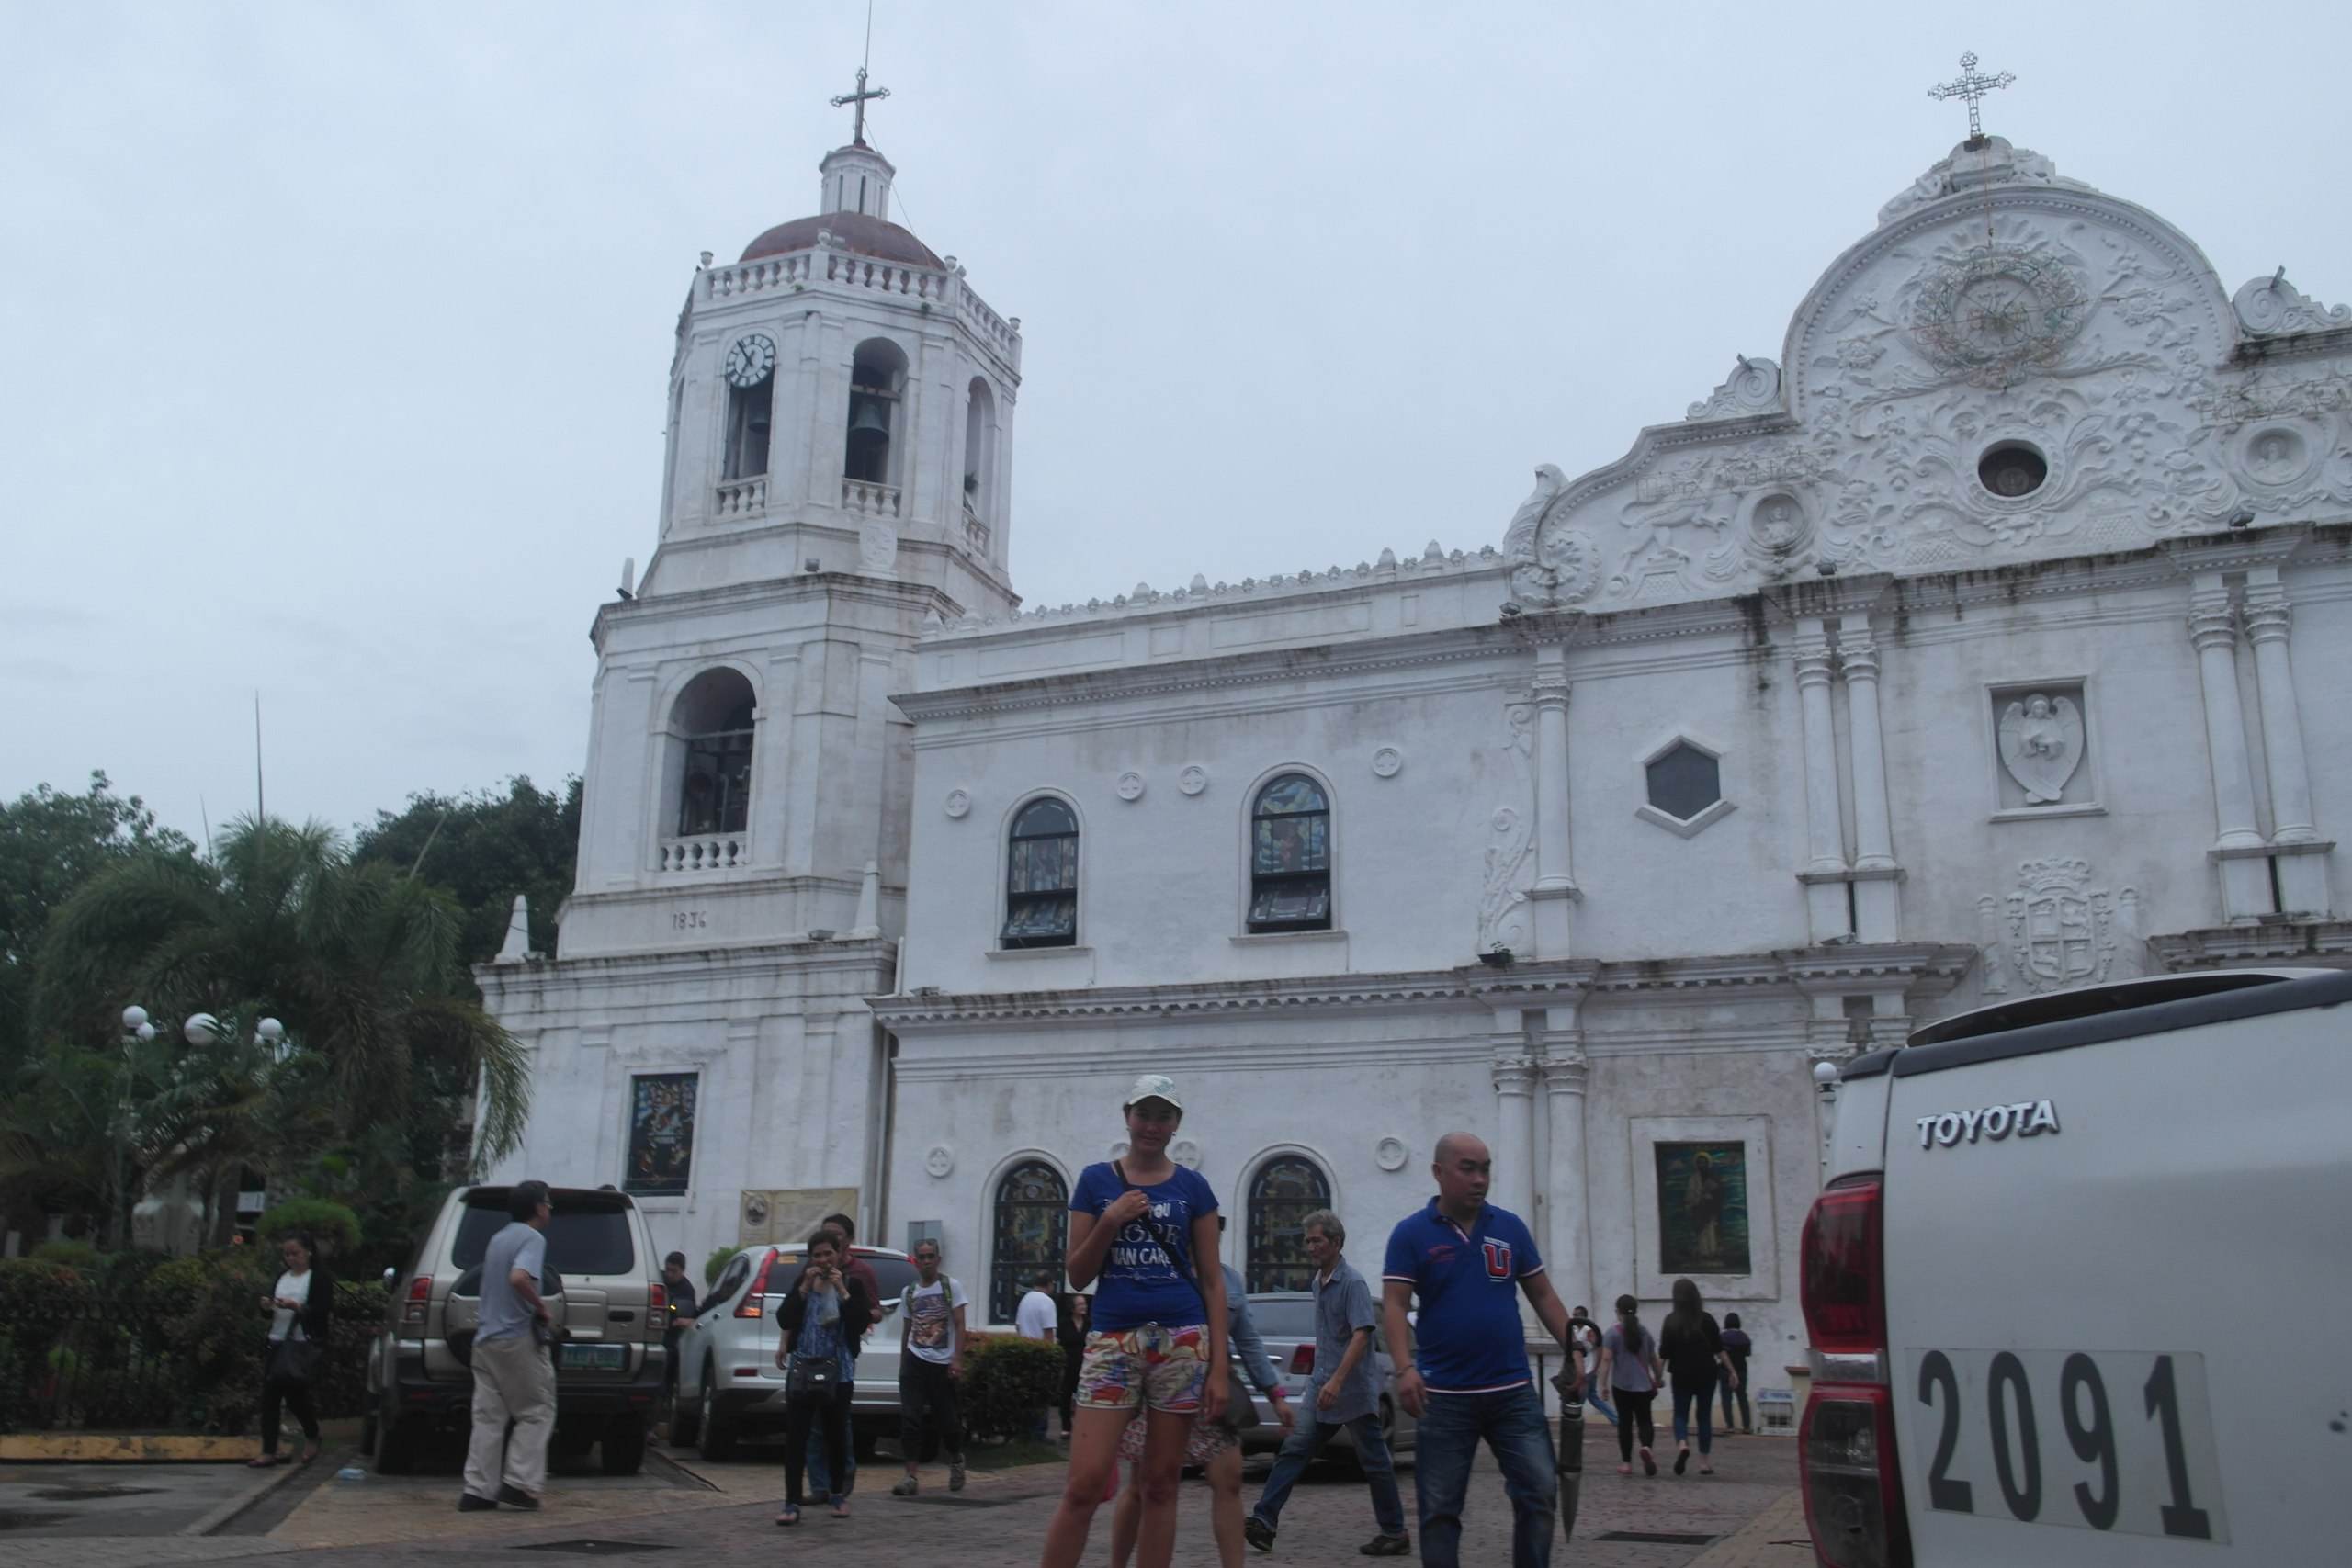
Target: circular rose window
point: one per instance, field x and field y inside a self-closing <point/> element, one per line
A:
<point x="2013" y="470"/>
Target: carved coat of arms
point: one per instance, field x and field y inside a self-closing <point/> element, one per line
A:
<point x="2060" y="931"/>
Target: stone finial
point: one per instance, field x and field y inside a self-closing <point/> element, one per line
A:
<point x="516" y="949"/>
<point x="869" y="904"/>
<point x="1434" y="554"/>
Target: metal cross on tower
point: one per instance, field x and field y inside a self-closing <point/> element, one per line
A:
<point x="1971" y="86"/>
<point x="863" y="94"/>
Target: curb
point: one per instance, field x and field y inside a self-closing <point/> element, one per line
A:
<point x="128" y="1449"/>
<point x="277" y="1479"/>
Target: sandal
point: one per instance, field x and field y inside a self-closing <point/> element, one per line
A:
<point x="1624" y="1469"/>
<point x="1705" y="1469"/>
<point x="263" y="1461"/>
<point x="791" y="1515"/>
<point x="841" y="1507"/>
<point x="1649" y="1463"/>
<point x="311" y="1451"/>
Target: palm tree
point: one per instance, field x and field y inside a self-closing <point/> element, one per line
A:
<point x="359" y="961"/>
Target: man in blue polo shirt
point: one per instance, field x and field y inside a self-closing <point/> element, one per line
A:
<point x="1467" y="1261"/>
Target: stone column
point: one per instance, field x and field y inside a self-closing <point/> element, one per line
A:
<point x="2303" y="878"/>
<point x="1877" y="903"/>
<point x="1825" y="846"/>
<point x="1568" y="1239"/>
<point x="1556" y="886"/>
<point x="2213" y="631"/>
<point x="1514" y="1150"/>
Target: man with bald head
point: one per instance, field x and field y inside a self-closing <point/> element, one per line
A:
<point x="1468" y="1261"/>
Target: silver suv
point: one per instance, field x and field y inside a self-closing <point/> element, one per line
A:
<point x="608" y="1296"/>
<point x="1285" y="1321"/>
<point x="729" y="1385"/>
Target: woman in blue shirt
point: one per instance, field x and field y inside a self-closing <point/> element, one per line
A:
<point x="1143" y="1232"/>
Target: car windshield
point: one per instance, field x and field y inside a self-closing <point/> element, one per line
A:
<point x="893" y="1274"/>
<point x="588" y="1234"/>
<point x="1283" y="1317"/>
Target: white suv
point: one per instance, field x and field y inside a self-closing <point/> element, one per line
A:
<point x="729" y="1385"/>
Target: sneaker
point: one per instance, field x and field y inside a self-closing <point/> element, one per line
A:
<point x="1258" y="1533"/>
<point x="469" y="1504"/>
<point x="955" y="1473"/>
<point x="1387" y="1546"/>
<point x="907" y="1487"/>
<point x="515" y="1497"/>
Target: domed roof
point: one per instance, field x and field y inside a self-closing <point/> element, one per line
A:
<point x="863" y="234"/>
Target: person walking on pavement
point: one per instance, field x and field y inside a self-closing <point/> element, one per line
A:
<point x="822" y="1477"/>
<point x="514" y="1378"/>
<point x="1692" y="1349"/>
<point x="1069" y="1329"/>
<point x="1145" y="1227"/>
<point x="928" y="1372"/>
<point x="1630" y="1371"/>
<point x="1738" y="1346"/>
<point x="301" y="1311"/>
<point x="826" y="1309"/>
<point x="1215" y="1445"/>
<point x="1588" y="1332"/>
<point x="1342" y="1395"/>
<point x="1468" y="1261"/>
<point x="1033" y="1318"/>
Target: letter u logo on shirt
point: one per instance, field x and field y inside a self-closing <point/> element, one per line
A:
<point x="1498" y="1259"/>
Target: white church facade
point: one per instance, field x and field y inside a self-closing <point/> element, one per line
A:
<point x="1984" y="644"/>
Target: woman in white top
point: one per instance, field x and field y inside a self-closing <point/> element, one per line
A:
<point x="299" y="1305"/>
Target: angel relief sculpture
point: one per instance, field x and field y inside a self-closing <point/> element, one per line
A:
<point x="2041" y="745"/>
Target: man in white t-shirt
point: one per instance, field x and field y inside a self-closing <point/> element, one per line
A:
<point x="1033" y="1319"/>
<point x="933" y="1307"/>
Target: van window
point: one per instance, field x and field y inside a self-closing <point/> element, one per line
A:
<point x="588" y="1234"/>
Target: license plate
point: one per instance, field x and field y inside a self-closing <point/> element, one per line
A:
<point x="2107" y="1440"/>
<point x="593" y="1358"/>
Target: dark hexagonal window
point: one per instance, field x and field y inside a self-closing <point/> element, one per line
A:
<point x="1684" y="780"/>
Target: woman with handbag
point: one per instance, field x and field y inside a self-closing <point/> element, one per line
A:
<point x="826" y="1309"/>
<point x="301" y="1308"/>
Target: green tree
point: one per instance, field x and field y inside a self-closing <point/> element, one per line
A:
<point x="50" y="843"/>
<point x="359" y="961"/>
<point x="484" y="847"/>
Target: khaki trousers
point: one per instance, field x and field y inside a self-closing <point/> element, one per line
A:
<point x="513" y="1380"/>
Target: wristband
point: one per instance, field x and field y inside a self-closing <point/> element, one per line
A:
<point x="1275" y="1393"/>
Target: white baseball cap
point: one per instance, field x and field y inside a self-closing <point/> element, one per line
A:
<point x="1153" y="1086"/>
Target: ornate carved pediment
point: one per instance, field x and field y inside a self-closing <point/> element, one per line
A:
<point x="2012" y="367"/>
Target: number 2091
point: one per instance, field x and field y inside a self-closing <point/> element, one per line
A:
<point x="2137" y="1424"/>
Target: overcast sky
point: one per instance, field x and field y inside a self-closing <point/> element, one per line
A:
<point x="334" y="338"/>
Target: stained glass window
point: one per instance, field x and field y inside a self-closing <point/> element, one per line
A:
<point x="1286" y="1191"/>
<point x="1041" y="878"/>
<point x="1032" y="1232"/>
<point x="661" y="1132"/>
<point x="1290" y="857"/>
<point x="716" y="793"/>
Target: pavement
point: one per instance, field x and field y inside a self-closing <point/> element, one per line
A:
<point x="1746" y="1516"/>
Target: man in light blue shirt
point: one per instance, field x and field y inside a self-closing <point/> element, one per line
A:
<point x="1342" y="1391"/>
<point x="514" y="1379"/>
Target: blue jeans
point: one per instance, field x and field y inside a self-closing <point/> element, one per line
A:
<point x="1593" y="1396"/>
<point x="1704" y="1395"/>
<point x="1447" y="1440"/>
<point x="1372" y="1452"/>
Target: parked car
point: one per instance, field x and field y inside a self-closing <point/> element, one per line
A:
<point x="610" y="1301"/>
<point x="729" y="1387"/>
<point x="1286" y="1321"/>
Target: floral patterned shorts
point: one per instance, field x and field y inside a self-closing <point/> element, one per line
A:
<point x="1157" y="1367"/>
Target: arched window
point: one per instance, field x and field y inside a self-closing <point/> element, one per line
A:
<point x="714" y="720"/>
<point x="1287" y="1189"/>
<point x="1041" y="876"/>
<point x="751" y="405"/>
<point x="979" y="437"/>
<point x="1290" y="857"/>
<point x="877" y="378"/>
<point x="1032" y="1234"/>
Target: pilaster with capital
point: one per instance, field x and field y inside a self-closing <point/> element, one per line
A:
<point x="2303" y="878"/>
<point x="1568" y="1239"/>
<point x="1824" y="847"/>
<point x="1555" y="886"/>
<point x="1515" y="1076"/>
<point x="2213" y="631"/>
<point x="1877" y="911"/>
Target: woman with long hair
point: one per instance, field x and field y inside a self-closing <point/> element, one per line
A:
<point x="1144" y="1228"/>
<point x="1630" y="1371"/>
<point x="301" y="1307"/>
<point x="1692" y="1347"/>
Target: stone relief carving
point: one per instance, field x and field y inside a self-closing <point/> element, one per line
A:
<point x="1389" y="1154"/>
<point x="1549" y="567"/>
<point x="1502" y="899"/>
<point x="2041" y="745"/>
<point x="1753" y="386"/>
<point x="1988" y="312"/>
<point x="1993" y="161"/>
<point x="2271" y="307"/>
<point x="1131" y="786"/>
<point x="877" y="546"/>
<point x="2061" y="933"/>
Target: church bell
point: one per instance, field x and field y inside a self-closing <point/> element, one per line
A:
<point x="868" y="423"/>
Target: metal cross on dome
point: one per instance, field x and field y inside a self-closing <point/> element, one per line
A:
<point x="1971" y="86"/>
<point x="862" y="96"/>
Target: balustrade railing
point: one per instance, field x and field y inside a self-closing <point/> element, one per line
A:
<point x="975" y="534"/>
<point x="739" y="498"/>
<point x="861" y="498"/>
<point x="704" y="851"/>
<point x="802" y="268"/>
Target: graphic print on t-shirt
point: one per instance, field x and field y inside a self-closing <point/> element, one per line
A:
<point x="1147" y="1274"/>
<point x="928" y="1323"/>
<point x="1498" y="1259"/>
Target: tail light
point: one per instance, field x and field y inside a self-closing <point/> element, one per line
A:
<point x="1302" y="1359"/>
<point x="420" y="1296"/>
<point x="752" y="1299"/>
<point x="657" y="1310"/>
<point x="1846" y="1454"/>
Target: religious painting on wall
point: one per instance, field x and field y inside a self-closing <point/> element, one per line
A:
<point x="661" y="1132"/>
<point x="1702" y="1208"/>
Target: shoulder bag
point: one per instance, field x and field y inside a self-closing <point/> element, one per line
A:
<point x="812" y="1380"/>
<point x="292" y="1359"/>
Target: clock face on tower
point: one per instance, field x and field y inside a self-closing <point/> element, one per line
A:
<point x="750" y="360"/>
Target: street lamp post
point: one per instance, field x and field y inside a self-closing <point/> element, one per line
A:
<point x="200" y="1030"/>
